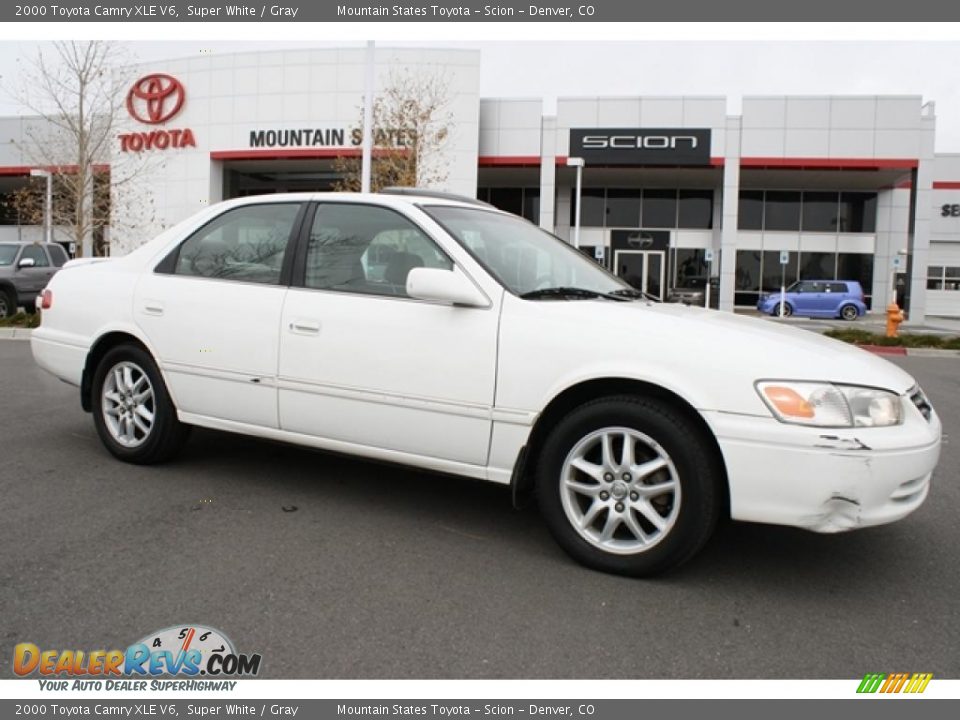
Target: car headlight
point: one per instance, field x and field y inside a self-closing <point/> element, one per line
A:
<point x="821" y="404"/>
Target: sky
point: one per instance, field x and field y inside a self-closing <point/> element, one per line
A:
<point x="548" y="69"/>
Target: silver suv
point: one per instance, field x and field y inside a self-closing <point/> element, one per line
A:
<point x="25" y="270"/>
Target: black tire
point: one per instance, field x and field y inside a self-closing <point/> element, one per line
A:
<point x="8" y="303"/>
<point x="787" y="310"/>
<point x="166" y="434"/>
<point x="697" y="470"/>
<point x="30" y="307"/>
<point x="849" y="312"/>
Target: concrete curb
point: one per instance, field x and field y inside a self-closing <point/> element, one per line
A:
<point x="15" y="333"/>
<point x="910" y="352"/>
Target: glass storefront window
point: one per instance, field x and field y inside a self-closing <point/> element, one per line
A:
<point x="623" y="208"/>
<point x="750" y="213"/>
<point x="747" y="285"/>
<point x="820" y="212"/>
<point x="773" y="271"/>
<point x="781" y="210"/>
<point x="507" y="199"/>
<point x="659" y="208"/>
<point x="531" y="205"/>
<point x="858" y="212"/>
<point x="592" y="214"/>
<point x="818" y="266"/>
<point x="687" y="263"/>
<point x="695" y="209"/>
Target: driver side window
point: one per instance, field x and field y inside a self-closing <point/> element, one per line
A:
<point x="365" y="249"/>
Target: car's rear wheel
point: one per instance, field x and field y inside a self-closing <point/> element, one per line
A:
<point x="629" y="485"/>
<point x="849" y="312"/>
<point x="787" y="310"/>
<point x="132" y="410"/>
<point x="8" y="304"/>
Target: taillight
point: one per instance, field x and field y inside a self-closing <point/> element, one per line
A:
<point x="46" y="300"/>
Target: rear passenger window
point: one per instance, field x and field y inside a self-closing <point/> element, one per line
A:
<point x="366" y="249"/>
<point x="246" y="244"/>
<point x="837" y="287"/>
<point x="57" y="254"/>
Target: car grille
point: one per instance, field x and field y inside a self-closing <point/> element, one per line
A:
<point x="921" y="403"/>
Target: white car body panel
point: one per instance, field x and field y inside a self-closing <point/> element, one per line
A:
<point x="218" y="351"/>
<point x="407" y="375"/>
<point x="459" y="389"/>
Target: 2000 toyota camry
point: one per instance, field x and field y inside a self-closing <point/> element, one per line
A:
<point x="451" y="336"/>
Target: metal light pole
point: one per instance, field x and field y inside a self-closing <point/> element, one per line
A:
<point x="577" y="162"/>
<point x="367" y="121"/>
<point x="47" y="204"/>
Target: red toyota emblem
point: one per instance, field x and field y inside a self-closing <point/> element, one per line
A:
<point x="155" y="98"/>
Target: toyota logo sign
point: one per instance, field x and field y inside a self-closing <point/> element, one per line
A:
<point x="155" y="98"/>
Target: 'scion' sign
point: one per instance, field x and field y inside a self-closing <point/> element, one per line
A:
<point x="641" y="146"/>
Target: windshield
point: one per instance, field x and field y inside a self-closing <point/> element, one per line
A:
<point x="7" y="254"/>
<point x="520" y="255"/>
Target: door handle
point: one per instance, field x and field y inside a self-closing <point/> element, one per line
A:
<point x="152" y="307"/>
<point x="305" y="327"/>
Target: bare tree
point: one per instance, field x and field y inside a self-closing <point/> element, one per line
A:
<point x="77" y="91"/>
<point x="411" y="125"/>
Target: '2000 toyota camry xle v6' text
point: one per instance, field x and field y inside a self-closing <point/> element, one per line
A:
<point x="451" y="336"/>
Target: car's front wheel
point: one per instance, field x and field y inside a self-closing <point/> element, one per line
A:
<point x="787" y="310"/>
<point x="132" y="411"/>
<point x="629" y="485"/>
<point x="849" y="312"/>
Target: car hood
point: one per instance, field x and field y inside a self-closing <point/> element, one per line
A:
<point x="764" y="346"/>
<point x="712" y="358"/>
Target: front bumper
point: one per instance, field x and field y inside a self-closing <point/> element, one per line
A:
<point x="826" y="479"/>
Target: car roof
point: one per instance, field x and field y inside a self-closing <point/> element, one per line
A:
<point x="392" y="198"/>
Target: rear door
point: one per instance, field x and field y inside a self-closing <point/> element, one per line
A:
<point x="836" y="295"/>
<point x="212" y="309"/>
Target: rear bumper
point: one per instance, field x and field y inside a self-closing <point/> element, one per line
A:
<point x="827" y="480"/>
<point x="57" y="355"/>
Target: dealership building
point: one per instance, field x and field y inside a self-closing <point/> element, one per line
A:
<point x="671" y="188"/>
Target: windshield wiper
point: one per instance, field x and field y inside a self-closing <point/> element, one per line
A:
<point x="570" y="292"/>
<point x="632" y="293"/>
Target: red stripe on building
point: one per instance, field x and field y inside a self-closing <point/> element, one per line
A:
<point x="795" y="163"/>
<point x="946" y="185"/>
<point x="512" y="161"/>
<point x="296" y="153"/>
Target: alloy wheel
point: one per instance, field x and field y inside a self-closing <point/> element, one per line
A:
<point x="620" y="490"/>
<point x="128" y="404"/>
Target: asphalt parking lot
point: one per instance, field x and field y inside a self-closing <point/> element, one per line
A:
<point x="385" y="572"/>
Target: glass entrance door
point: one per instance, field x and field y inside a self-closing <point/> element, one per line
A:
<point x="642" y="269"/>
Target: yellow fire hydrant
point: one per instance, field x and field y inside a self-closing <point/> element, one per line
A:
<point x="894" y="318"/>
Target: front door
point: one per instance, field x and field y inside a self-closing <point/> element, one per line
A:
<point x="34" y="278"/>
<point x="363" y="363"/>
<point x="643" y="269"/>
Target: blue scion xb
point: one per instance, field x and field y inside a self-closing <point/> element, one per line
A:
<point x="818" y="298"/>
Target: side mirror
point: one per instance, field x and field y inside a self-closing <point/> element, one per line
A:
<point x="26" y="263"/>
<point x="445" y="286"/>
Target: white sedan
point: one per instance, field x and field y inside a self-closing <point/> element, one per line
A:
<point x="450" y="336"/>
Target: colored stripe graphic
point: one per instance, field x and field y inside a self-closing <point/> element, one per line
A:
<point x="894" y="682"/>
<point x="871" y="681"/>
